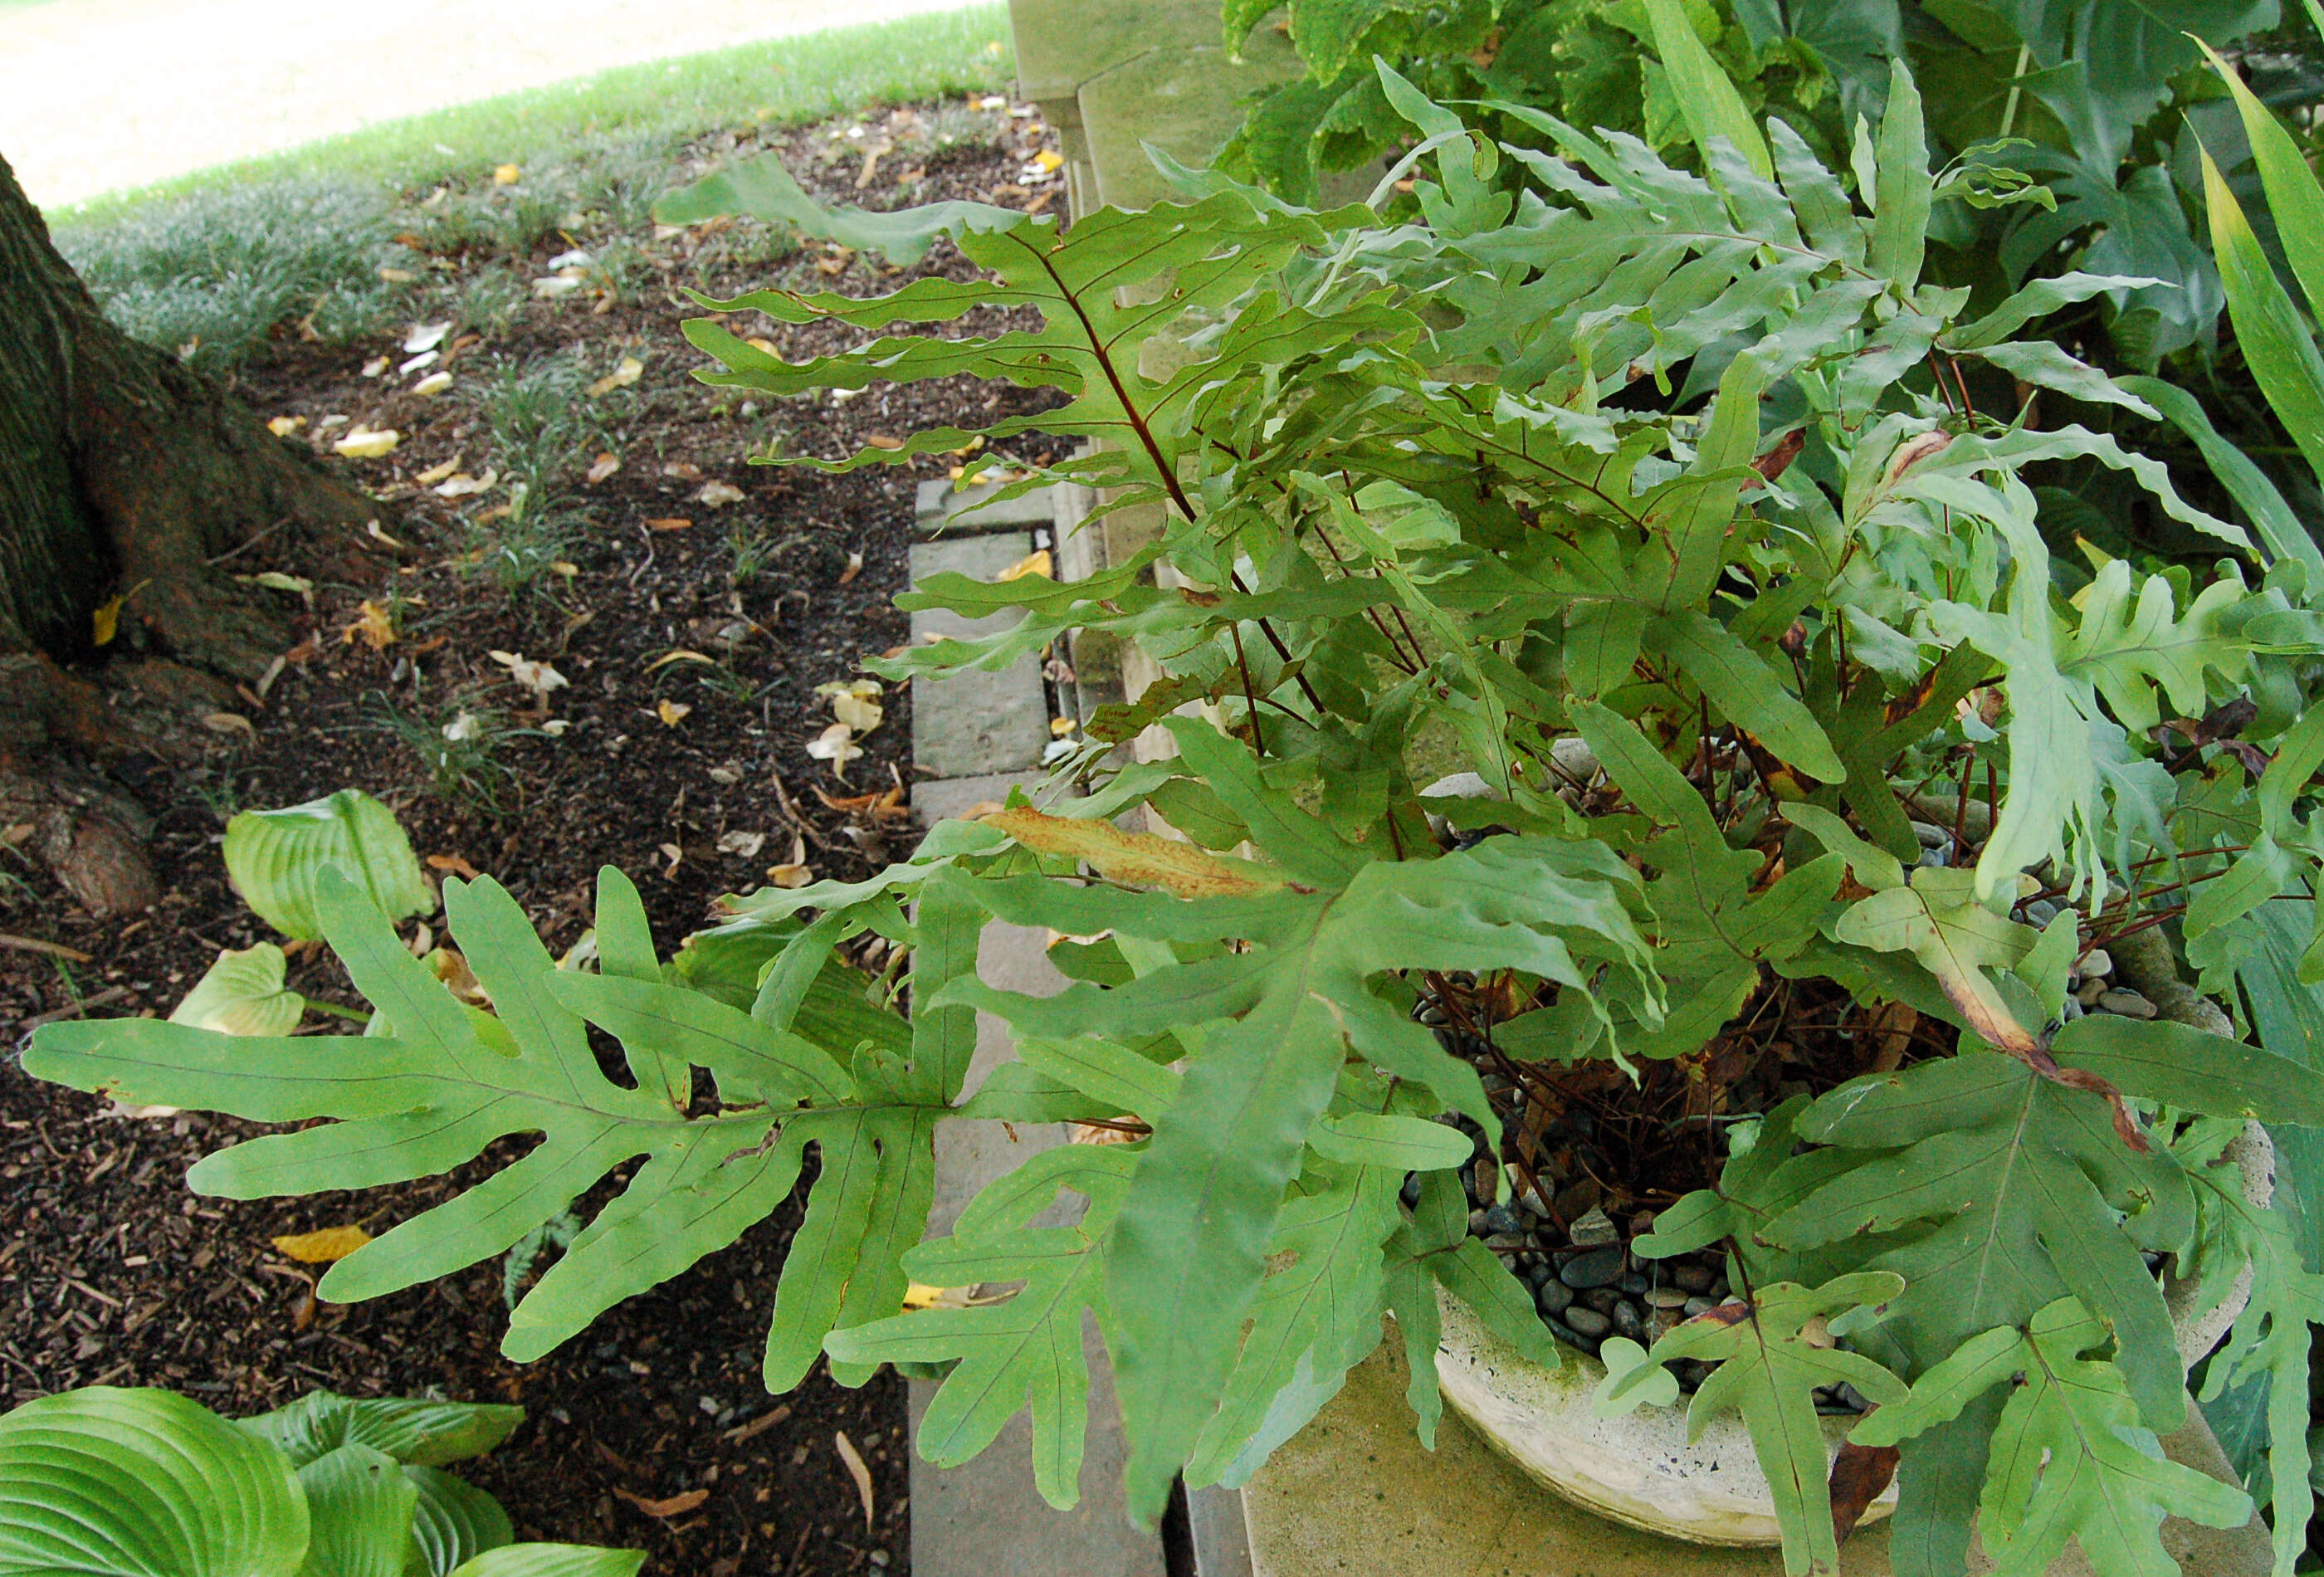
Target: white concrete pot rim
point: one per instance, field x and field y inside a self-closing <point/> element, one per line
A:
<point x="1642" y="1469"/>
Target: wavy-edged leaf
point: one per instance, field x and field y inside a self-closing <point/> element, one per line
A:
<point x="553" y="1561"/>
<point x="2071" y="1458"/>
<point x="242" y="993"/>
<point x="131" y="1483"/>
<point x="415" y="1431"/>
<point x="276" y="857"/>
<point x="362" y="1507"/>
<point x="1769" y="1365"/>
<point x="453" y="1522"/>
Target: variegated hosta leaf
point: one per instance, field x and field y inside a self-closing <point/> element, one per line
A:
<point x="2070" y="1459"/>
<point x="276" y="858"/>
<point x="242" y="993"/>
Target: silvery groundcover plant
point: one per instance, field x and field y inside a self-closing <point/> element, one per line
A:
<point x="1674" y="505"/>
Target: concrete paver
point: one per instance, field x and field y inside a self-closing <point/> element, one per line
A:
<point x="968" y="725"/>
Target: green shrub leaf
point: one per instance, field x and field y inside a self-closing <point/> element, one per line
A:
<point x="129" y="1483"/>
<point x="276" y="857"/>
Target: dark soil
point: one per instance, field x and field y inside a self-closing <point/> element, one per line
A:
<point x="111" y="1273"/>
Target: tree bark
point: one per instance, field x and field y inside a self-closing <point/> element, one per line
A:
<point x="122" y="473"/>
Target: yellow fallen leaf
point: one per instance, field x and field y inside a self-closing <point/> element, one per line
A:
<point x="507" y="174"/>
<point x="540" y="678"/>
<point x="1049" y="159"/>
<point x="373" y="368"/>
<point x="397" y="276"/>
<point x="435" y="474"/>
<point x="836" y="745"/>
<point x="681" y="655"/>
<point x="1135" y="859"/>
<point x="856" y="705"/>
<point x="462" y="486"/>
<point x="373" y="624"/>
<point x="327" y="1247"/>
<point x="857" y="1471"/>
<point x="604" y="466"/>
<point x="107" y="619"/>
<point x="1060" y="726"/>
<point x="880" y="440"/>
<point x="671" y="712"/>
<point x="630" y="370"/>
<point x="432" y="384"/>
<point x="365" y="444"/>
<point x="1034" y="563"/>
<point x="718" y="494"/>
<point x="283" y="427"/>
<point x="228" y="723"/>
<point x="790" y="875"/>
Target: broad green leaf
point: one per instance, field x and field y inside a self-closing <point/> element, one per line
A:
<point x="417" y="1432"/>
<point x="553" y="1561"/>
<point x="2182" y="1067"/>
<point x="2275" y="341"/>
<point x="761" y="189"/>
<point x="454" y="1521"/>
<point x="1741" y="685"/>
<point x="2071" y="1458"/>
<point x="275" y="859"/>
<point x="1401" y="1143"/>
<point x="1938" y="920"/>
<point x="2021" y="1193"/>
<point x="1626" y="1365"/>
<point x="2280" y="531"/>
<point x="134" y="1483"/>
<point x="362" y="1507"/>
<point x="1026" y="1347"/>
<point x="625" y="949"/>
<point x="243" y="994"/>
<point x="1901" y="231"/>
<point x="1770" y="1364"/>
<point x="1706" y="98"/>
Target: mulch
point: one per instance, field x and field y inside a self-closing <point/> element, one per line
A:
<point x="651" y="1428"/>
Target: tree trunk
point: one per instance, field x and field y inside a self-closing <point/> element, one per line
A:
<point x="121" y="472"/>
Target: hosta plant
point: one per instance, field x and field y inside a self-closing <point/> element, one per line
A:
<point x="104" y="1483"/>
<point x="1424" y="494"/>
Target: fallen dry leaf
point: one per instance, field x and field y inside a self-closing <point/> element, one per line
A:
<point x="673" y="523"/>
<point x="857" y="1471"/>
<point x="327" y="1247"/>
<point x="606" y="465"/>
<point x="435" y="474"/>
<point x="432" y="384"/>
<point x="374" y="367"/>
<point x="425" y="337"/>
<point x="855" y="568"/>
<point x="507" y="174"/>
<point x="371" y="530"/>
<point x="228" y="723"/>
<point x="463" y="485"/>
<point x="454" y="864"/>
<point x="856" y="704"/>
<point x="680" y="655"/>
<point x="627" y="372"/>
<point x="538" y="678"/>
<point x="673" y="853"/>
<point x="373" y="624"/>
<point x="880" y="440"/>
<point x="104" y="619"/>
<point x="719" y="494"/>
<point x="366" y="444"/>
<point x="746" y="845"/>
<point x="1034" y="563"/>
<point x="836" y="745"/>
<point x="674" y="1505"/>
<point x="397" y="276"/>
<point x="790" y="875"/>
<point x="283" y="427"/>
<point x="682" y="471"/>
<point x="671" y="712"/>
<point x="425" y="359"/>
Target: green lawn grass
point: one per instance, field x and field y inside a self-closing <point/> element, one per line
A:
<point x="778" y="81"/>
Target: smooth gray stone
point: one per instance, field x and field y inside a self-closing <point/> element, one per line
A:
<point x="1598" y="1268"/>
<point x="1588" y="1321"/>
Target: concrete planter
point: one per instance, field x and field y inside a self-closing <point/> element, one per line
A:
<point x="1641" y="1470"/>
